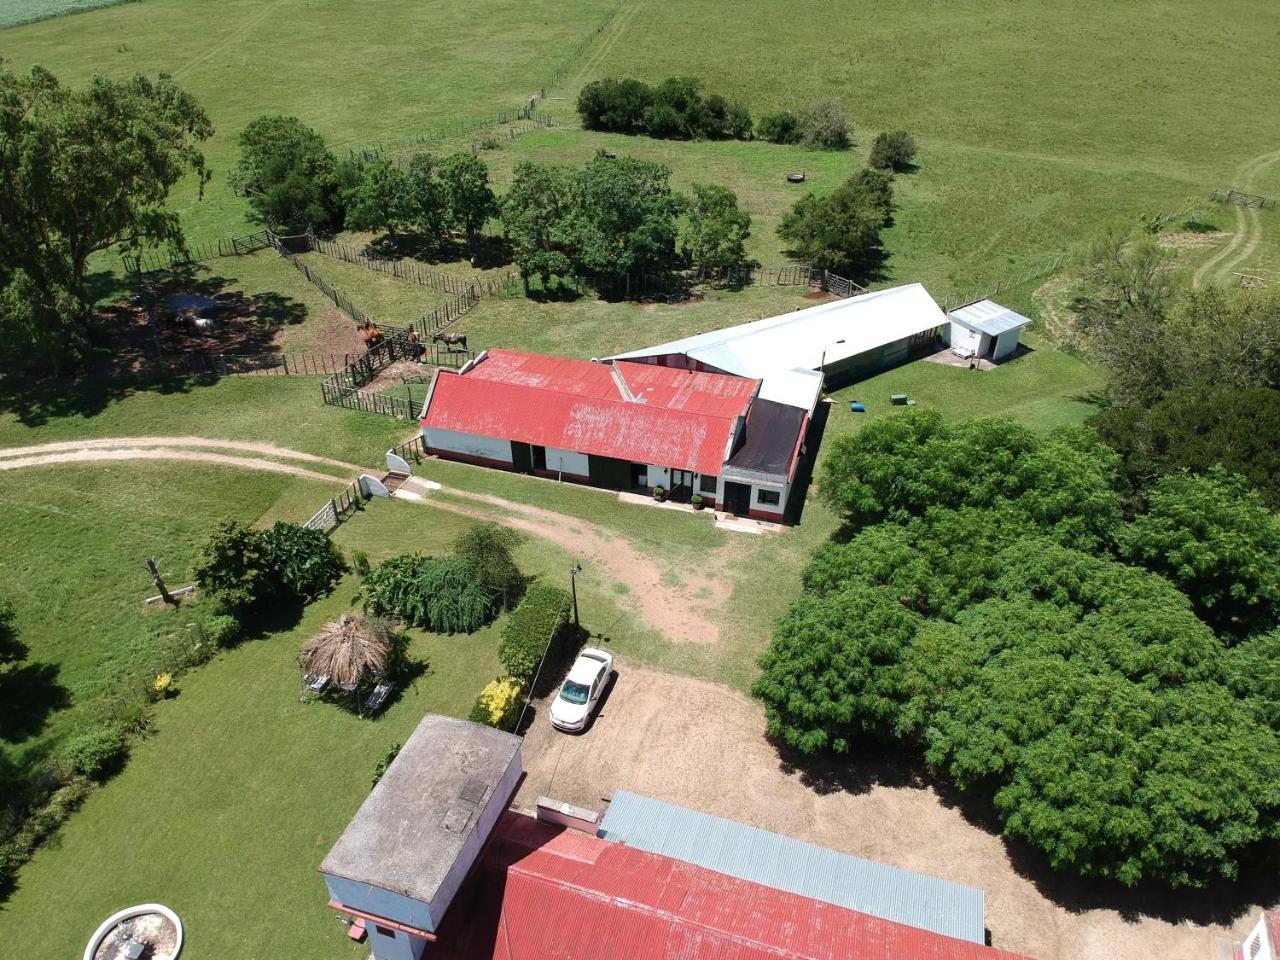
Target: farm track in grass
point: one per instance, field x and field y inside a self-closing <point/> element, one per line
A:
<point x="1248" y="237"/>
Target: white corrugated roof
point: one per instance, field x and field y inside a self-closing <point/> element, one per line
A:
<point x="987" y="316"/>
<point x="783" y="351"/>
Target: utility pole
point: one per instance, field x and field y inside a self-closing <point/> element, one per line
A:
<point x="573" y="580"/>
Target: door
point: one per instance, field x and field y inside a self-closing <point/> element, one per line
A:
<point x="737" y="498"/>
<point x="539" y="458"/>
<point x="521" y="457"/>
<point x="639" y="476"/>
<point x="681" y="485"/>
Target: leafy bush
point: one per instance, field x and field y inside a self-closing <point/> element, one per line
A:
<point x="232" y="567"/>
<point x="895" y="150"/>
<point x="780" y="127"/>
<point x="289" y="174"/>
<point x="486" y="548"/>
<point x="674" y="109"/>
<point x="1216" y="540"/>
<point x="360" y="563"/>
<point x="498" y="704"/>
<point x="841" y="230"/>
<point x="94" y="752"/>
<point x="438" y="593"/>
<point x="615" y="105"/>
<point x="40" y="823"/>
<point x="1253" y="674"/>
<point x="718" y="229"/>
<point x="219" y="631"/>
<point x="301" y="562"/>
<point x="533" y="625"/>
<point x="823" y="125"/>
<point x="382" y="764"/>
<point x="162" y="684"/>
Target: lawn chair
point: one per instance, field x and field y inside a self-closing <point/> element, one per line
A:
<point x="378" y="697"/>
<point x="316" y="682"/>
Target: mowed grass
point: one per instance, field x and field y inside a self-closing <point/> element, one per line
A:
<point x="286" y="411"/>
<point x="357" y="72"/>
<point x="75" y="538"/>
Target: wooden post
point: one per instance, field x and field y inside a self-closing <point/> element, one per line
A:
<point x="159" y="582"/>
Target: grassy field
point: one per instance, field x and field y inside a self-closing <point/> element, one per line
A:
<point x="14" y="12"/>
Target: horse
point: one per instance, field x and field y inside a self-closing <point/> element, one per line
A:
<point x="451" y="340"/>
<point x="370" y="334"/>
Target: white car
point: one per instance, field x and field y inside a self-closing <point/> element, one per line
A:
<point x="579" y="695"/>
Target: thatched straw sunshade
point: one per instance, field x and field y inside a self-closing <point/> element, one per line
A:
<point x="350" y="650"/>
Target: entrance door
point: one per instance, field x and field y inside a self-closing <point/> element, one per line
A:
<point x="639" y="476"/>
<point x="737" y="498"/>
<point x="521" y="457"/>
<point x="539" y="458"/>
<point x="681" y="485"/>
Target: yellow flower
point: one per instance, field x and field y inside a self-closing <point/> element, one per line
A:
<point x="163" y="682"/>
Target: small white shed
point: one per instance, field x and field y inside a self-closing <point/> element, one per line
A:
<point x="985" y="329"/>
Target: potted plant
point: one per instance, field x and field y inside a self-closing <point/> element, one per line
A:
<point x="659" y="494"/>
<point x="696" y="500"/>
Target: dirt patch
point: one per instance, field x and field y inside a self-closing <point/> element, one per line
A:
<point x="401" y="372"/>
<point x="266" y="449"/>
<point x="702" y="745"/>
<point x="335" y="333"/>
<point x="681" y="612"/>
<point x="1191" y="240"/>
<point x="125" y="453"/>
<point x="819" y="295"/>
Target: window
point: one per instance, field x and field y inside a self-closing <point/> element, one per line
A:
<point x="768" y="497"/>
<point x="707" y="484"/>
<point x="385" y="931"/>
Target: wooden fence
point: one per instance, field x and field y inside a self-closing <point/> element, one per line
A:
<point x="410" y="450"/>
<point x="150" y="261"/>
<point x="263" y="364"/>
<point x="452" y="131"/>
<point x="413" y="272"/>
<point x="1243" y="199"/>
<point x="331" y="514"/>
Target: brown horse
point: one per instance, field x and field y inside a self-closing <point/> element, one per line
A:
<point x="451" y="340"/>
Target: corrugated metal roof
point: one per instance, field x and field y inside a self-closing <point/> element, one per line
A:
<point x="988" y="317"/>
<point x="685" y="420"/>
<point x="550" y="893"/>
<point x="738" y="850"/>
<point x="775" y="348"/>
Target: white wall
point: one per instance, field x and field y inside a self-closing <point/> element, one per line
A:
<point x="776" y="508"/>
<point x="970" y="341"/>
<point x="475" y="446"/>
<point x="1266" y="949"/>
<point x="567" y="461"/>
<point x="1006" y="343"/>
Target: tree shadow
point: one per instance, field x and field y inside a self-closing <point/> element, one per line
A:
<point x="29" y="693"/>
<point x="872" y="765"/>
<point x="488" y="251"/>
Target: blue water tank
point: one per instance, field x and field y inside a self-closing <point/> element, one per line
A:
<point x="858" y="406"/>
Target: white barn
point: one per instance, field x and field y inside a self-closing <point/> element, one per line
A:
<point x="985" y="329"/>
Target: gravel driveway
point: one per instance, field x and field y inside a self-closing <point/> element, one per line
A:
<point x="699" y="744"/>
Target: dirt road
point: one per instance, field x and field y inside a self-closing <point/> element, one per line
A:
<point x="702" y="745"/>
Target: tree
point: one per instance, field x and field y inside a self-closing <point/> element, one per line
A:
<point x="1253" y="674"/>
<point x="614" y="105"/>
<point x="622" y="217"/>
<point x="841" y="230"/>
<point x="428" y="202"/>
<point x="677" y="110"/>
<point x="533" y="213"/>
<point x="487" y="547"/>
<point x="232" y="566"/>
<point x="382" y="200"/>
<point x="1196" y="427"/>
<point x="469" y="201"/>
<point x="893" y="151"/>
<point x="303" y="563"/>
<point x="438" y="593"/>
<point x="288" y="173"/>
<point x="780" y="127"/>
<point x="823" y="125"/>
<point x="82" y="171"/>
<point x="1216" y="540"/>
<point x="718" y="230"/>
<point x="12" y="650"/>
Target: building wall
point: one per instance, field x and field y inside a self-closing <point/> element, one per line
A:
<point x="1259" y="935"/>
<point x="1006" y="343"/>
<point x="970" y="341"/>
<point x="568" y="462"/>
<point x="764" y="511"/>
<point x="487" y="450"/>
<point x="380" y="902"/>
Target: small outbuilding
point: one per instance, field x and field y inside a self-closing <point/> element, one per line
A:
<point x="985" y="329"/>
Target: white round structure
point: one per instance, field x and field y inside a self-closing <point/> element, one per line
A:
<point x="132" y="913"/>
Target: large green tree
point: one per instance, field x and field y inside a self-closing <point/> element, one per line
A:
<point x="533" y="214"/>
<point x="469" y="200"/>
<point x="718" y="229"/>
<point x="82" y="171"/>
<point x="289" y="174"/>
<point x="622" y="217"/>
<point x="381" y="200"/>
<point x="841" y="231"/>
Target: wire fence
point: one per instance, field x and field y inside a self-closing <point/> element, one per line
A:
<point x="245" y="364"/>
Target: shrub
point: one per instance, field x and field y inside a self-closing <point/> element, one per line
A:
<point x="382" y="764"/>
<point x="439" y="593"/>
<point x="780" y="127"/>
<point x="498" y="704"/>
<point x="360" y="563"/>
<point x="614" y="105"/>
<point x="823" y="125"/>
<point x="718" y="229"/>
<point x="162" y="684"/>
<point x="231" y="566"/>
<point x="486" y="547"/>
<point x="303" y="562"/>
<point x="95" y="752"/>
<point x="220" y="630"/>
<point x="894" y="150"/>
<point x="841" y="230"/>
<point x="533" y="625"/>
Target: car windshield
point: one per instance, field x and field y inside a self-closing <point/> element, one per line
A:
<point x="574" y="692"/>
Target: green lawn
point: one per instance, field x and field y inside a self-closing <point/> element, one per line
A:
<point x="286" y="411"/>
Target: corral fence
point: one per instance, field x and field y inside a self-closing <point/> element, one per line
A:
<point x="1242" y="199"/>
<point x="151" y="261"/>
<point x="955" y="301"/>
<point x="413" y="272"/>
<point x="528" y="117"/>
<point x="337" y="507"/>
<point x="411" y="451"/>
<point x="680" y="285"/>
<point x="243" y="364"/>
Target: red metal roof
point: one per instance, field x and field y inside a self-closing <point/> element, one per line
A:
<point x="657" y="415"/>
<point x="548" y="893"/>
